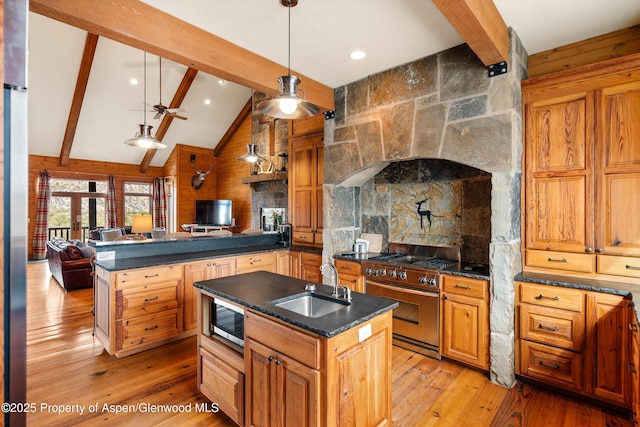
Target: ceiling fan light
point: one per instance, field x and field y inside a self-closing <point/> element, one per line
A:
<point x="144" y="139"/>
<point x="251" y="155"/>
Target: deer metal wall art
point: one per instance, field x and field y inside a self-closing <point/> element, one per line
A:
<point x="198" y="179"/>
<point x="423" y="213"/>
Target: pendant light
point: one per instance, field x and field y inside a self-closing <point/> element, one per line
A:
<point x="144" y="139"/>
<point x="288" y="104"/>
<point x="251" y="156"/>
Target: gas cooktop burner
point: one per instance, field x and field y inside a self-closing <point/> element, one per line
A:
<point x="436" y="263"/>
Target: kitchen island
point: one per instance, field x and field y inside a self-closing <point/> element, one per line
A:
<point x="294" y="369"/>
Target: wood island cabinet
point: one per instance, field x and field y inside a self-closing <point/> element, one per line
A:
<point x="294" y="377"/>
<point x="577" y="340"/>
<point x="582" y="172"/>
<point x="465" y="320"/>
<point x="196" y="272"/>
<point x="350" y="275"/>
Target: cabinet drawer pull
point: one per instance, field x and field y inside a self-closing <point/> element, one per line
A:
<point x="463" y="287"/>
<point x="632" y="267"/>
<point x="548" y="328"/>
<point x="632" y="367"/>
<point x="633" y="327"/>
<point x="255" y="260"/>
<point x="152" y="328"/>
<point x="151" y="299"/>
<point x="542" y="296"/>
<point x="556" y="260"/>
<point x="549" y="365"/>
<point x="149" y="276"/>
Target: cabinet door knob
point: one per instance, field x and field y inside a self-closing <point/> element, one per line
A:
<point x="278" y="361"/>
<point x="270" y="358"/>
<point x="588" y="250"/>
<point x="599" y="250"/>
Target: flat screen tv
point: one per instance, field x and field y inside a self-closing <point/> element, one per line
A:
<point x="213" y="212"/>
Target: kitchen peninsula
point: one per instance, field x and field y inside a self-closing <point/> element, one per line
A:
<point x="144" y="296"/>
<point x="296" y="369"/>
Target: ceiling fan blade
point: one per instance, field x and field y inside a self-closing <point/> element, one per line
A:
<point x="175" y="110"/>
<point x="177" y="116"/>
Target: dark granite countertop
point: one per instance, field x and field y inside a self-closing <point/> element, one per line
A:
<point x="257" y="290"/>
<point x="152" y="261"/>
<point x="617" y="288"/>
<point x="310" y="249"/>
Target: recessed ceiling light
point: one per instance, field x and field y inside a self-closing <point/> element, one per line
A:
<point x="357" y="55"/>
<point x="134" y="81"/>
<point x="220" y="82"/>
<point x="207" y="101"/>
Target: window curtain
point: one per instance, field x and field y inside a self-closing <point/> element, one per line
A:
<point x="159" y="204"/>
<point x="40" y="234"/>
<point x="112" y="209"/>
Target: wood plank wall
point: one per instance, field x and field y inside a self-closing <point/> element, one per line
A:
<point x="231" y="171"/>
<point x="590" y="51"/>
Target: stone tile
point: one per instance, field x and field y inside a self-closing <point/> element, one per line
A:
<point x="340" y="160"/>
<point x="369" y="139"/>
<point x="476" y="193"/>
<point x="404" y="82"/>
<point x="397" y="131"/>
<point x="399" y="172"/>
<point x="468" y="108"/>
<point x="462" y="73"/>
<point x="340" y="202"/>
<point x="475" y="249"/>
<point x="484" y="143"/>
<point x="357" y="97"/>
<point x="377" y="224"/>
<point x="340" y="105"/>
<point x="430" y="122"/>
<point x="344" y="134"/>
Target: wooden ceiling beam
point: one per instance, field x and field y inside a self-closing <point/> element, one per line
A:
<point x="78" y="97"/>
<point x="481" y="26"/>
<point x="179" y="96"/>
<point x="144" y="27"/>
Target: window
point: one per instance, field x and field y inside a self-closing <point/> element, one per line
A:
<point x="137" y="200"/>
<point x="76" y="206"/>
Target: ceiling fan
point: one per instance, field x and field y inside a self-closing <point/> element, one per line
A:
<point x="163" y="110"/>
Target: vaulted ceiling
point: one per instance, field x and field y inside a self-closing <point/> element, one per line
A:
<point x="95" y="67"/>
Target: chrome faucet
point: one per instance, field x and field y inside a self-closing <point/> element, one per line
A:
<point x="335" y="277"/>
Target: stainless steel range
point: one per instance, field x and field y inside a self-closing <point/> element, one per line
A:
<point x="410" y="275"/>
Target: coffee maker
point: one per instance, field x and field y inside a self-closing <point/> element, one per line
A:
<point x="285" y="234"/>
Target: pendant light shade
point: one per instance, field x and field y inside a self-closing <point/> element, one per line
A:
<point x="288" y="103"/>
<point x="144" y="139"/>
<point x="251" y="156"/>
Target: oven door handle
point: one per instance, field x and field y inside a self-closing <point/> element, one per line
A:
<point x="403" y="289"/>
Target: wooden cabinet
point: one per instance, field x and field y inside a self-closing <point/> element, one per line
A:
<point x="306" y="160"/>
<point x="350" y="275"/>
<point x="265" y="261"/>
<point x="582" y="173"/>
<point x="220" y="367"/>
<point x="294" y="264"/>
<point x="577" y="340"/>
<point x="608" y="348"/>
<point x="198" y="271"/>
<point x="465" y="320"/>
<point x="138" y="309"/>
<point x="310" y="267"/>
<point x="283" y="263"/>
<point x="298" y="378"/>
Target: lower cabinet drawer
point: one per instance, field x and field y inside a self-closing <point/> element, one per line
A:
<point x="561" y="260"/>
<point x="619" y="266"/>
<point x="146" y="300"/>
<point x="559" y="328"/>
<point x="262" y="261"/>
<point x="302" y="237"/>
<point x="222" y="384"/>
<point x="311" y="274"/>
<point x="147" y="329"/>
<point x="296" y="344"/>
<point x="562" y="368"/>
<point x="143" y="276"/>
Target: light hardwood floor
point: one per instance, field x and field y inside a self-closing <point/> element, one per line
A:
<point x="66" y="366"/>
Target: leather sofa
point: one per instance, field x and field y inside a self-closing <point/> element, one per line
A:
<point x="69" y="265"/>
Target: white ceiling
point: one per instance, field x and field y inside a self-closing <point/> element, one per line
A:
<point x="323" y="33"/>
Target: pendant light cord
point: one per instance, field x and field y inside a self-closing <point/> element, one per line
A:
<point x="289" y="58"/>
<point x="144" y="81"/>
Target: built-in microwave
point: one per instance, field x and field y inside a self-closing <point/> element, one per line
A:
<point x="227" y="321"/>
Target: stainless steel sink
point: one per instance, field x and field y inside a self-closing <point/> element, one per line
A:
<point x="311" y="305"/>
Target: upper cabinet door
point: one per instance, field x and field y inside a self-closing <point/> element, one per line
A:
<point x="619" y="182"/>
<point x="559" y="174"/>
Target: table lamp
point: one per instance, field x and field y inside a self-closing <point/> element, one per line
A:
<point x="142" y="224"/>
